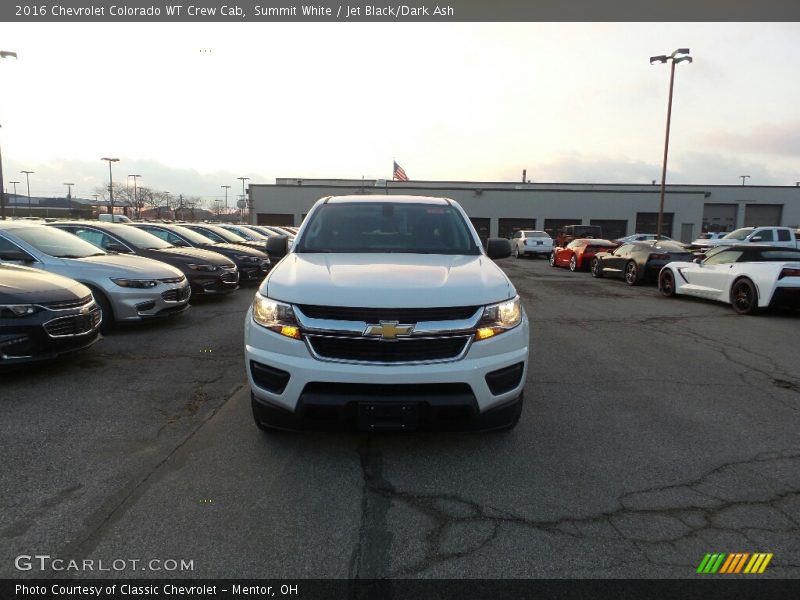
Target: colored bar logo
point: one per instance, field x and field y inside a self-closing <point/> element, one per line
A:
<point x="738" y="562"/>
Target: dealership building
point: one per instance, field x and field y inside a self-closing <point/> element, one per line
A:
<point x="498" y="209"/>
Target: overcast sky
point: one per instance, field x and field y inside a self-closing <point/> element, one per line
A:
<point x="192" y="107"/>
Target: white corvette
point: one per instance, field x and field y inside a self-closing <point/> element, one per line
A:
<point x="749" y="278"/>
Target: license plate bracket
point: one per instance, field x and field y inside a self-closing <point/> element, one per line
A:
<point x="388" y="416"/>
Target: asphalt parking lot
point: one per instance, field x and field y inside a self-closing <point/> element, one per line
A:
<point x="655" y="431"/>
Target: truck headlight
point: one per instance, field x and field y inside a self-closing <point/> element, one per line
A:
<point x="498" y="318"/>
<point x="276" y="316"/>
<point x="134" y="283"/>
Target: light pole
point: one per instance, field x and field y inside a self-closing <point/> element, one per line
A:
<point x="674" y="58"/>
<point x="135" y="197"/>
<point x="2" y="190"/>
<point x="14" y="208"/>
<point x="244" y="197"/>
<point x="69" y="190"/>
<point x="3" y="54"/>
<point x="743" y="177"/>
<point x="227" y="187"/>
<point x="110" y="185"/>
<point x="28" y="180"/>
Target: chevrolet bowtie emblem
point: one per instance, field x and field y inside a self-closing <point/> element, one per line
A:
<point x="389" y="330"/>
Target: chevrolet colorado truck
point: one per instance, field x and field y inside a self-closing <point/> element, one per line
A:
<point x="387" y="314"/>
<point x="774" y="236"/>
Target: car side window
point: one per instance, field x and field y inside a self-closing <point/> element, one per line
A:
<point x="6" y="245"/>
<point x="783" y="235"/>
<point x="724" y="258"/>
<point x="93" y="237"/>
<point x="766" y="235"/>
<point x="517" y="235"/>
<point x="157" y="232"/>
<point x="214" y="236"/>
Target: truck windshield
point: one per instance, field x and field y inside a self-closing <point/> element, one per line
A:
<point x="387" y="227"/>
<point x="739" y="234"/>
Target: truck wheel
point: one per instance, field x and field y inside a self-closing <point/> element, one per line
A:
<point x="744" y="297"/>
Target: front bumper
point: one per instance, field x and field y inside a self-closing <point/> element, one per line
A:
<point x="47" y="335"/>
<point x="284" y="376"/>
<point x="134" y="304"/>
<point x="223" y="281"/>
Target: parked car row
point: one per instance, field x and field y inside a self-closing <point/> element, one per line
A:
<point x="63" y="283"/>
<point x="743" y="271"/>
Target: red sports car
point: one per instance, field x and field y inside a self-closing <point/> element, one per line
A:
<point x="577" y="255"/>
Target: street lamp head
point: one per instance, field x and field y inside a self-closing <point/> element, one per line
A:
<point x="6" y="54"/>
<point x="658" y="59"/>
<point x="682" y="59"/>
<point x="110" y="159"/>
<point x="680" y="51"/>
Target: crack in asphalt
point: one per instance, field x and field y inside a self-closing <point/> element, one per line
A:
<point x="699" y="509"/>
<point x="115" y="507"/>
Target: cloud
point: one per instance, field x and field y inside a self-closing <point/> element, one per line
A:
<point x="781" y="139"/>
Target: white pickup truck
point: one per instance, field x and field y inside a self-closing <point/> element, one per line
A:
<point x="387" y="314"/>
<point x="774" y="236"/>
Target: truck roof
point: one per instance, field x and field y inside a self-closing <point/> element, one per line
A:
<point x="366" y="198"/>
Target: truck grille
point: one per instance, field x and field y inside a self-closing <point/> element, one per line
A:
<point x="176" y="295"/>
<point x="375" y="315"/>
<point x="404" y="350"/>
<point x="75" y="325"/>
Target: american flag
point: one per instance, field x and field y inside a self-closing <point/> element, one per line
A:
<point x="399" y="173"/>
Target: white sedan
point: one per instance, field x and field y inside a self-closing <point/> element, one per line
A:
<point x="530" y="242"/>
<point x="747" y="277"/>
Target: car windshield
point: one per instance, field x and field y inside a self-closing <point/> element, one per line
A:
<point x="739" y="234"/>
<point x="140" y="238"/>
<point x="253" y="236"/>
<point x="56" y="242"/>
<point x="536" y="234"/>
<point x="387" y="227"/>
<point x="225" y="234"/>
<point x="191" y="235"/>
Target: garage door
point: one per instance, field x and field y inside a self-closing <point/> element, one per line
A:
<point x="648" y="222"/>
<point x="612" y="229"/>
<point x="482" y="227"/>
<point x="756" y="215"/>
<point x="507" y="227"/>
<point x="719" y="217"/>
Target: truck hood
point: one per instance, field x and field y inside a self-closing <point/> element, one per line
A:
<point x="387" y="280"/>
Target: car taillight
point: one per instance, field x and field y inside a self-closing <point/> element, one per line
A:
<point x="659" y="257"/>
<point x="789" y="273"/>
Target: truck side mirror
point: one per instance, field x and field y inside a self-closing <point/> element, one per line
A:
<point x="498" y="248"/>
<point x="756" y="238"/>
<point x="277" y="246"/>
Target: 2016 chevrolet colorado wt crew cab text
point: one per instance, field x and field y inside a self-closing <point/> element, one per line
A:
<point x="387" y="315"/>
